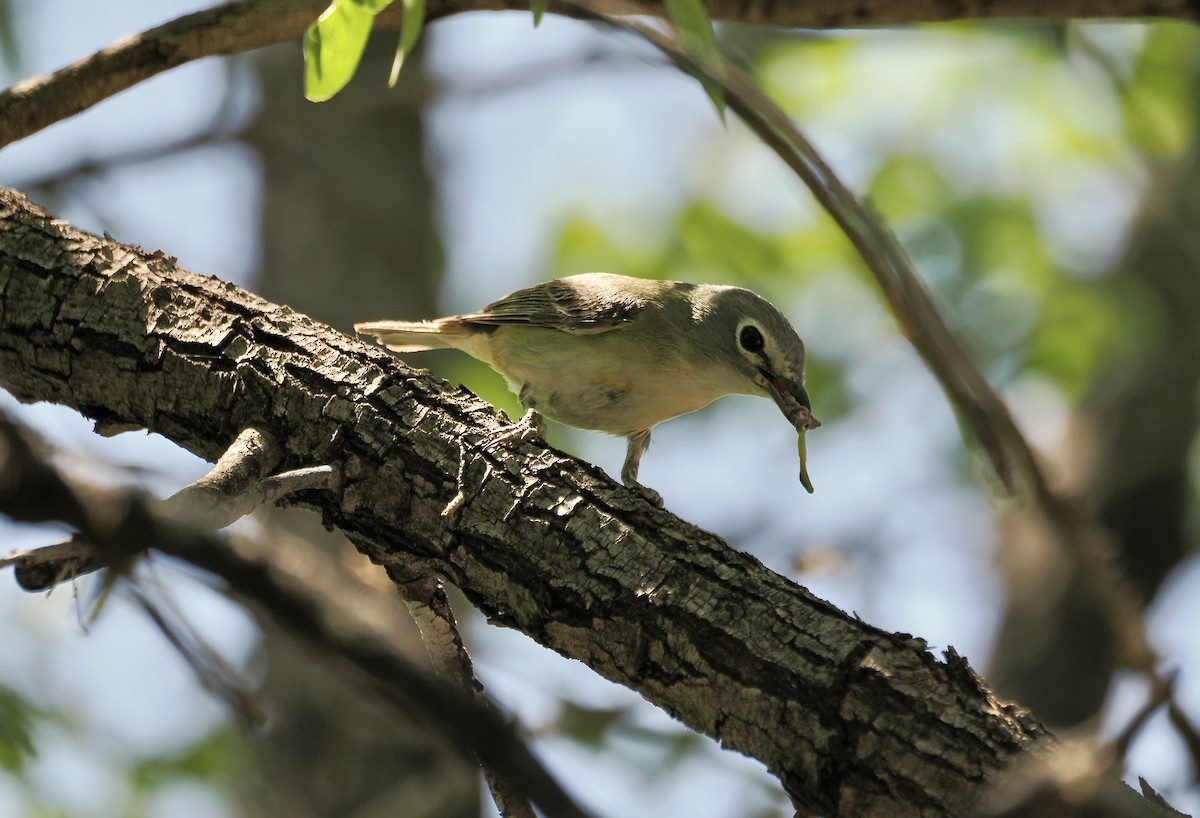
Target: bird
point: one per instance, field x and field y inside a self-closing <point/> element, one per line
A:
<point x="619" y="354"/>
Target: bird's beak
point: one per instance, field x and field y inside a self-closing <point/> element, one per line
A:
<point x="792" y="399"/>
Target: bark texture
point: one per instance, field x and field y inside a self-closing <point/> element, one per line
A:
<point x="853" y="720"/>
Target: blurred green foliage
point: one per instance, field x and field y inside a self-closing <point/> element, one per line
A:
<point x="1158" y="93"/>
<point x="222" y="756"/>
<point x="221" y="761"/>
<point x="598" y="728"/>
<point x="17" y="719"/>
<point x="9" y="47"/>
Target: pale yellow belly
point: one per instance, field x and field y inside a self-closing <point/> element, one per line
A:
<point x="609" y="382"/>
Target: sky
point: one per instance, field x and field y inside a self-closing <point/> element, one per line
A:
<point x="520" y="135"/>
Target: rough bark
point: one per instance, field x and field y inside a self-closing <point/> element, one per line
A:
<point x="854" y="721"/>
<point x="35" y="103"/>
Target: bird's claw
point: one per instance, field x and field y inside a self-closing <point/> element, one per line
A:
<point x="648" y="494"/>
<point x="531" y="426"/>
<point x="652" y="497"/>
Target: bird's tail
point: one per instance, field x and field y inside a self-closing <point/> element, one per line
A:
<point x="411" y="336"/>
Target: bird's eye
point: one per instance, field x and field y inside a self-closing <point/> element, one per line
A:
<point x="751" y="339"/>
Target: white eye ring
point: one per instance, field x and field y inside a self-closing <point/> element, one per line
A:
<point x="751" y="338"/>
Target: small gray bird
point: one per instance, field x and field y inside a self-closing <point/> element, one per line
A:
<point x="621" y="355"/>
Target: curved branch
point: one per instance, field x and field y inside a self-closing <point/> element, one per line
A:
<point x="36" y="103"/>
<point x="853" y="720"/>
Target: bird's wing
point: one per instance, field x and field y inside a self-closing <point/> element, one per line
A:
<point x="570" y="305"/>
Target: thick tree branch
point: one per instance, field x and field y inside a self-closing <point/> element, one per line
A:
<point x="854" y="721"/>
<point x="36" y="103"/>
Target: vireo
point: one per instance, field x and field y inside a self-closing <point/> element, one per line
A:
<point x="621" y="355"/>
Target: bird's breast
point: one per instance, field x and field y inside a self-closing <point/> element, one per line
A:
<point x="613" y="403"/>
<point x="606" y="382"/>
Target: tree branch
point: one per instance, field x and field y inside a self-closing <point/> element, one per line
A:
<point x="33" y="104"/>
<point x="853" y="720"/>
<point x="425" y="597"/>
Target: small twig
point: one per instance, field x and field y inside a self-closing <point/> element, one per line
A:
<point x="1160" y="694"/>
<point x="1074" y="779"/>
<point x="530" y="427"/>
<point x="41" y="568"/>
<point x="250" y="457"/>
<point x="271" y="489"/>
<point x="212" y="671"/>
<point x="1188" y="732"/>
<point x="460" y="481"/>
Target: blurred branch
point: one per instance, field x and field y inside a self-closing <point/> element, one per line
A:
<point x="1188" y="732"/>
<point x="1078" y="780"/>
<point x="113" y="520"/>
<point x="209" y="667"/>
<point x="1128" y="451"/>
<point x="33" y="104"/>
<point x="1119" y="746"/>
<point x="425" y="597"/>
<point x="584" y="566"/>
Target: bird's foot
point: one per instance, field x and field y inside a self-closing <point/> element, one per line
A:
<point x="650" y="495"/>
<point x="531" y="426"/>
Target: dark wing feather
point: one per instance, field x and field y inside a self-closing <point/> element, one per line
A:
<point x="570" y="305"/>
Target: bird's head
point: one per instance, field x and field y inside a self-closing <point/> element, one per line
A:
<point x="746" y="333"/>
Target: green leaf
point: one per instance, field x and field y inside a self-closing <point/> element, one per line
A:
<point x="590" y="726"/>
<point x="716" y="95"/>
<point x="414" y="20"/>
<point x="333" y="45"/>
<point x="695" y="30"/>
<point x="17" y="723"/>
<point x="538" y="7"/>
